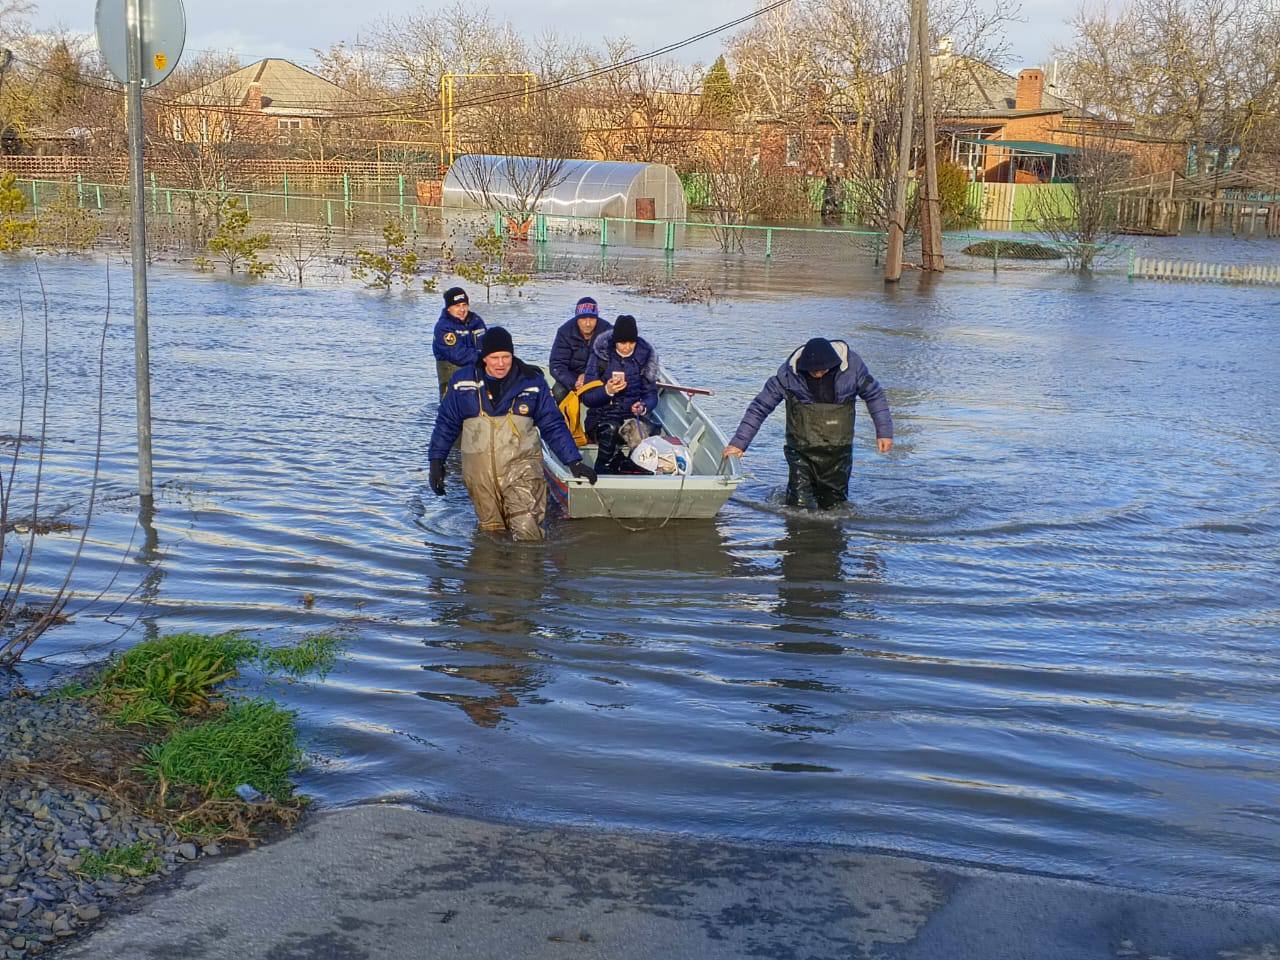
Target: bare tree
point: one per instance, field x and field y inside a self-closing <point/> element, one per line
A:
<point x="1080" y="219"/>
<point x="1203" y="71"/>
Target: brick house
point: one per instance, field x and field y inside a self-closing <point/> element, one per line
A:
<point x="272" y="101"/>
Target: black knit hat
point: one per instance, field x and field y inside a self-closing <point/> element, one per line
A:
<point x="818" y="354"/>
<point x="496" y="340"/>
<point x="455" y="295"/>
<point x="624" y="330"/>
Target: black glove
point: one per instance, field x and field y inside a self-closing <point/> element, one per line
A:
<point x="583" y="472"/>
<point x="436" y="477"/>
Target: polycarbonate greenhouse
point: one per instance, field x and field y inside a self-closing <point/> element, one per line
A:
<point x="579" y="188"/>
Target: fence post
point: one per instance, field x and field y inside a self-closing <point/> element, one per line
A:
<point x="604" y="231"/>
<point x="768" y="243"/>
<point x="97" y="188"/>
<point x="497" y="223"/>
<point x="80" y="190"/>
<point x="168" y="203"/>
<point x="155" y="194"/>
<point x="401" y="180"/>
<point x="35" y="198"/>
<point x="286" y="193"/>
<point x="346" y="193"/>
<point x="246" y="202"/>
<point x="415" y="218"/>
<point x="670" y="244"/>
<point x="540" y="228"/>
<point x="1131" y="259"/>
<point x="328" y="212"/>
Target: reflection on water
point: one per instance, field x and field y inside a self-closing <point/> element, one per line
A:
<point x="1043" y="635"/>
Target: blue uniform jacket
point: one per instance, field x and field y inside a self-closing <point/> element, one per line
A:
<point x="529" y="396"/>
<point x="641" y="369"/>
<point x="457" y="342"/>
<point x="571" y="350"/>
<point x="853" y="380"/>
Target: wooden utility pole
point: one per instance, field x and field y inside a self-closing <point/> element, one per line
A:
<point x="898" y="216"/>
<point x="917" y="68"/>
<point x="930" y="202"/>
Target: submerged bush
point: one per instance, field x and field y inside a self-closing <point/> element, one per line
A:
<point x="1012" y="250"/>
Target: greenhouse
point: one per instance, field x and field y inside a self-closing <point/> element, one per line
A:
<point x="578" y="188"/>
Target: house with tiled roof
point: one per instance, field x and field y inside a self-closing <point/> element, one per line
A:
<point x="272" y="100"/>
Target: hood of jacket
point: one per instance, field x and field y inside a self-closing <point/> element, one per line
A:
<point x="793" y="381"/>
<point x="602" y="347"/>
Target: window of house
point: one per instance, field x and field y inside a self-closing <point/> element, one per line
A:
<point x="839" y="155"/>
<point x="794" y="150"/>
<point x="176" y="128"/>
<point x="204" y="129"/>
<point x="289" y="125"/>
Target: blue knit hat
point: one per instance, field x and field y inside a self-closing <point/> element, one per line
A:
<point x="587" y="307"/>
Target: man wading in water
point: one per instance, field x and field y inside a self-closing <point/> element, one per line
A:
<point x="820" y="383"/>
<point x="498" y="406"/>
<point x="456" y="343"/>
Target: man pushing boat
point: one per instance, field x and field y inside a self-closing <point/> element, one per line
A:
<point x="820" y="383"/>
<point x="500" y="406"/>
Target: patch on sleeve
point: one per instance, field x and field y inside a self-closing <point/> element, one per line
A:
<point x="523" y="409"/>
<point x="450" y="338"/>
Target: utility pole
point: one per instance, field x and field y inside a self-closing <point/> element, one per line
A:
<point x="930" y="203"/>
<point x="138" y="250"/>
<point x="898" y="216"/>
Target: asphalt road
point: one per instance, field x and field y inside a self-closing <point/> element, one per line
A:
<point x="385" y="881"/>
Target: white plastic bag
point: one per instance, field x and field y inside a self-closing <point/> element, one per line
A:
<point x="661" y="456"/>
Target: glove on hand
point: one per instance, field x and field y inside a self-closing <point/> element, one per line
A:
<point x="583" y="472"/>
<point x="436" y="477"/>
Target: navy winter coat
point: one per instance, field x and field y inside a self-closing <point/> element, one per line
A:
<point x="528" y="396"/>
<point x="458" y="342"/>
<point x="571" y="350"/>
<point x="641" y="369"/>
<point x="853" y="380"/>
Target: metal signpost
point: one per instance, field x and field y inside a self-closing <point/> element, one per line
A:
<point x="141" y="40"/>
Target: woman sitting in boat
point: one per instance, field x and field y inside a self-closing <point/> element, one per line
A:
<point x="499" y="406"/>
<point x="626" y="368"/>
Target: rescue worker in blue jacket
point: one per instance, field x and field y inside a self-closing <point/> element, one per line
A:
<point x="820" y="383"/>
<point x="456" y="343"/>
<point x="627" y="368"/>
<point x="501" y="407"/>
<point x="572" y="347"/>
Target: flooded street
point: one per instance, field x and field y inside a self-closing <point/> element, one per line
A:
<point x="1046" y="635"/>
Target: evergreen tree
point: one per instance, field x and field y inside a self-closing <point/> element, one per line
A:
<point x="717" y="91"/>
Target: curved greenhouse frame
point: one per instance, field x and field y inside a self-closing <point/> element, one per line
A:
<point x="577" y="188"/>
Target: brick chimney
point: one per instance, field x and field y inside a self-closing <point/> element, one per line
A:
<point x="1030" y="95"/>
<point x="253" y="95"/>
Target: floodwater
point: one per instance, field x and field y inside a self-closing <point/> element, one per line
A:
<point x="1044" y="636"/>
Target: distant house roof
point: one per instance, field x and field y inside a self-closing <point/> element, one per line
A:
<point x="972" y="88"/>
<point x="287" y="90"/>
<point x="1027" y="147"/>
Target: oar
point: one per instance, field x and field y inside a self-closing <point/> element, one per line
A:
<point x="693" y="391"/>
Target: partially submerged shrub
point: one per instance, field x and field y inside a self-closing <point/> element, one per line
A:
<point x="1012" y="250"/>
<point x="233" y="242"/>
<point x="397" y="262"/>
<point x="16" y="231"/>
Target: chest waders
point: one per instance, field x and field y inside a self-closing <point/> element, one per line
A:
<point x="502" y="470"/>
<point x="819" y="452"/>
<point x="444" y="373"/>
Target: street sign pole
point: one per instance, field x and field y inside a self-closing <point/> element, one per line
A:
<point x="138" y="245"/>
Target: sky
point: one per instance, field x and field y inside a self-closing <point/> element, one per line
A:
<point x="286" y="28"/>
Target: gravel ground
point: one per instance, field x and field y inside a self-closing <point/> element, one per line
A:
<point x="47" y="829"/>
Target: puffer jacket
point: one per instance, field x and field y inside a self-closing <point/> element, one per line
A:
<point x="529" y="396"/>
<point x="571" y="350"/>
<point x="457" y="342"/>
<point x="853" y="380"/>
<point x="641" y="370"/>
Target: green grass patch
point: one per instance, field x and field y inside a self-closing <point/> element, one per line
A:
<point x="315" y="654"/>
<point x="68" y="691"/>
<point x="253" y="742"/>
<point x="1012" y="250"/>
<point x="123" y="860"/>
<point x="175" y="674"/>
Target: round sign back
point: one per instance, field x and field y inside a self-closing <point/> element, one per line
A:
<point x="164" y="31"/>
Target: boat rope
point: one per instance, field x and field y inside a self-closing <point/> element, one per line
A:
<point x="642" y="529"/>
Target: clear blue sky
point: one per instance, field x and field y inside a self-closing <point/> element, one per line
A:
<point x="287" y="28"/>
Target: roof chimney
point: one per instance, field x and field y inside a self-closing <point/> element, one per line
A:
<point x="946" y="46"/>
<point x="253" y="96"/>
<point x="1030" y="95"/>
